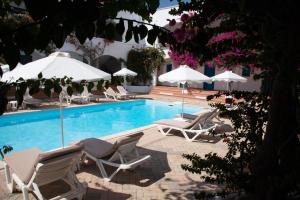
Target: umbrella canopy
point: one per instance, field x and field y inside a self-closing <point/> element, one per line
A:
<point x="8" y="76"/>
<point x="5" y="68"/>
<point x="57" y="65"/>
<point x="125" y="72"/>
<point x="183" y="74"/>
<point x="228" y="76"/>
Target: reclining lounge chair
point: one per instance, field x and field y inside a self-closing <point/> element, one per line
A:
<point x="122" y="154"/>
<point x="201" y="125"/>
<point x="29" y="100"/>
<point x="214" y="115"/>
<point x="110" y="93"/>
<point x="84" y="97"/>
<point x="123" y="91"/>
<point x="31" y="169"/>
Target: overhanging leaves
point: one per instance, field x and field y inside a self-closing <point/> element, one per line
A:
<point x="120" y="27"/>
<point x="143" y="31"/>
<point x="128" y="35"/>
<point x="136" y="34"/>
<point x="152" y="35"/>
<point x="109" y="31"/>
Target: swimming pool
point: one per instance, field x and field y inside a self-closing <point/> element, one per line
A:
<point x="42" y="129"/>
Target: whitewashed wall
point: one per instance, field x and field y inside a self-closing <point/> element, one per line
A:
<point x="250" y="85"/>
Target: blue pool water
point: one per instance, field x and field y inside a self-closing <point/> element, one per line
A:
<point x="42" y="129"/>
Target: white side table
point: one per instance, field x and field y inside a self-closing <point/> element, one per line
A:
<point x="13" y="105"/>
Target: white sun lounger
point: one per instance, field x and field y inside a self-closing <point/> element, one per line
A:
<point x="84" y="97"/>
<point x="31" y="169"/>
<point x="121" y="155"/>
<point x="111" y="94"/>
<point x="29" y="100"/>
<point x="123" y="91"/>
<point x="214" y="115"/>
<point x="64" y="95"/>
<point x="190" y="130"/>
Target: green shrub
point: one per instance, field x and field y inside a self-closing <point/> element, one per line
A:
<point x="235" y="170"/>
<point x="144" y="62"/>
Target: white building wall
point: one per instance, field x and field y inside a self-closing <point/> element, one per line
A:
<point x="133" y="16"/>
<point x="120" y="49"/>
<point x="250" y="85"/>
<point x="116" y="49"/>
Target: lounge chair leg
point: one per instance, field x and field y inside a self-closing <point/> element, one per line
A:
<point x="84" y="187"/>
<point x="102" y="169"/>
<point x="7" y="173"/>
<point x="103" y="172"/>
<point x="186" y="136"/>
<point x="193" y="138"/>
<point x="11" y="185"/>
<point x="37" y="191"/>
<point x="25" y="192"/>
<point x="163" y="132"/>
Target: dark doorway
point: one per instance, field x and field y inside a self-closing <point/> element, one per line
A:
<point x="209" y="71"/>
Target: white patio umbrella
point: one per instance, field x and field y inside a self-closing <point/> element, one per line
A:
<point x="59" y="65"/>
<point x="229" y="76"/>
<point x="7" y="76"/>
<point x="124" y="72"/>
<point x="5" y="68"/>
<point x="183" y="74"/>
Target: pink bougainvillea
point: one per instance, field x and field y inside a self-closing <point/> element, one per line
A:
<point x="185" y="33"/>
<point x="233" y="35"/>
<point x="226" y="58"/>
<point x="183" y="59"/>
<point x="184" y="17"/>
<point x="181" y="35"/>
<point x="172" y="22"/>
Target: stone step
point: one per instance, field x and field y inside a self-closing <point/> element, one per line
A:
<point x="193" y="93"/>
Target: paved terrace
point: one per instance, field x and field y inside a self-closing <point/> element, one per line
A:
<point x="161" y="177"/>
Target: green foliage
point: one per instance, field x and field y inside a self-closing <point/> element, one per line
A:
<point x="144" y="62"/>
<point x="235" y="169"/>
<point x="4" y="150"/>
<point x="44" y="22"/>
<point x="90" y="86"/>
<point x="47" y="85"/>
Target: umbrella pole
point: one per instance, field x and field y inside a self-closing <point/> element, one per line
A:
<point x="61" y="120"/>
<point x="125" y="82"/>
<point x="227" y="86"/>
<point x="182" y="105"/>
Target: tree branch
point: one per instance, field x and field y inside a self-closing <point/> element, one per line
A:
<point x="141" y="22"/>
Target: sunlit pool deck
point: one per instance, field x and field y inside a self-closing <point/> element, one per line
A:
<point x="161" y="177"/>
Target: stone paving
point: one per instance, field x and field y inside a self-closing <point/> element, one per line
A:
<point x="159" y="178"/>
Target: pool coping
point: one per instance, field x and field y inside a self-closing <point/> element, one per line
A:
<point x="69" y="106"/>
